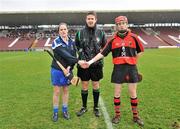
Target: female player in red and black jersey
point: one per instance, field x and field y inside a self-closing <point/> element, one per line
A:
<point x="126" y="48"/>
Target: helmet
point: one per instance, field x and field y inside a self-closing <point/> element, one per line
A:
<point x="121" y="18"/>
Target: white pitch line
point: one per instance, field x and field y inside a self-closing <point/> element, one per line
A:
<point x="14" y="42"/>
<point x="47" y="43"/>
<point x="105" y="114"/>
<point x="142" y="40"/>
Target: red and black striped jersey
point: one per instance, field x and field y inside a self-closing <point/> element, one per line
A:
<point x="124" y="50"/>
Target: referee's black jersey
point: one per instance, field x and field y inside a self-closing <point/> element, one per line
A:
<point x="124" y="50"/>
<point x="89" y="42"/>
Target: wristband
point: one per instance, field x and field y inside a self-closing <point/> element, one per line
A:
<point x="91" y="61"/>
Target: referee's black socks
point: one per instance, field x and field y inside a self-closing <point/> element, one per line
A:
<point x="84" y="95"/>
<point x="96" y="97"/>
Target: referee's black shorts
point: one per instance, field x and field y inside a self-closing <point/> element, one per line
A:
<point x="122" y="72"/>
<point x="91" y="73"/>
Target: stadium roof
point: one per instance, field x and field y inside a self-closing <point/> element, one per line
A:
<point x="49" y="12"/>
<point x="77" y="18"/>
<point x="84" y="5"/>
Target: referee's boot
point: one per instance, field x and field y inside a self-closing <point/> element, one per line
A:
<point x="96" y="112"/>
<point x="55" y="117"/>
<point x="138" y="120"/>
<point x="81" y="111"/>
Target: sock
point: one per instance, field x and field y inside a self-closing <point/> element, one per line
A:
<point x="96" y="97"/>
<point x="55" y="109"/>
<point x="64" y="108"/>
<point x="134" y="104"/>
<point x="117" y="103"/>
<point x="84" y="95"/>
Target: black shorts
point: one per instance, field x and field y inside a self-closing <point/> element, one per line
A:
<point x="122" y="72"/>
<point x="94" y="74"/>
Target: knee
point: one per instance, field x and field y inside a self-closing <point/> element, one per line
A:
<point x="56" y="92"/>
<point x="65" y="90"/>
<point x="85" y="85"/>
<point x="95" y="85"/>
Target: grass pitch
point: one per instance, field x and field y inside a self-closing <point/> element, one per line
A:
<point x="26" y="93"/>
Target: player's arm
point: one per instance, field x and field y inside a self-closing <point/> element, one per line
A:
<point x="138" y="55"/>
<point x="66" y="55"/>
<point x="96" y="58"/>
<point x="139" y="47"/>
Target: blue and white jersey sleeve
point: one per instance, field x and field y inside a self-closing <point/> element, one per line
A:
<point x="56" y="43"/>
<point x="61" y="50"/>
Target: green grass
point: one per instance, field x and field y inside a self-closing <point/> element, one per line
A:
<point x="26" y="93"/>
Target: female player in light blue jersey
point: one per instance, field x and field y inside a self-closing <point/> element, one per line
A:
<point x="65" y="52"/>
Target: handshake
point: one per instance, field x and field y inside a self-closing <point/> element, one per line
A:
<point x="85" y="64"/>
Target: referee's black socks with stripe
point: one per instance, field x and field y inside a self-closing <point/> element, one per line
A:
<point x="84" y="95"/>
<point x="96" y="93"/>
